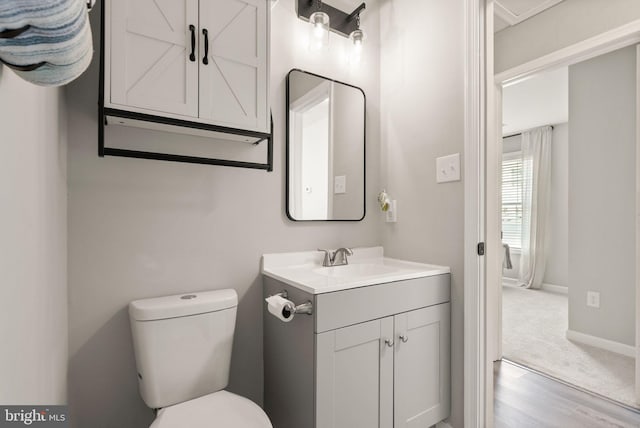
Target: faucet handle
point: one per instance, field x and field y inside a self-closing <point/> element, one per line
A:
<point x="327" y="257"/>
<point x="347" y="251"/>
<point x="344" y="252"/>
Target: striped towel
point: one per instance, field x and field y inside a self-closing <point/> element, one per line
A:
<point x="47" y="42"/>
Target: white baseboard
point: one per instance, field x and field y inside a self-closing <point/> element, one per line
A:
<point x="443" y="425"/>
<point x="598" y="342"/>
<point x="512" y="282"/>
<point x="555" y="288"/>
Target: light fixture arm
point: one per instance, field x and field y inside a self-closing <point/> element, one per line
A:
<point x="356" y="14"/>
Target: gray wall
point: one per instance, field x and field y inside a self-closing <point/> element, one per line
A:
<point x="348" y="139"/>
<point x="563" y="25"/>
<point x="33" y="249"/>
<point x="141" y="228"/>
<point x="602" y="149"/>
<point x="422" y="117"/>
<point x="557" y="269"/>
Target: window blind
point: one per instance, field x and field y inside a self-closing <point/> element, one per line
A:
<point x="512" y="182"/>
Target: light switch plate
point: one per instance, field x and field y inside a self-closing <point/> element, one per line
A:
<point x="448" y="168"/>
<point x="340" y="184"/>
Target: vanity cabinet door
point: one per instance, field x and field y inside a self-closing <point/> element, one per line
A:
<point x="422" y="367"/>
<point x="354" y="376"/>
<point x="234" y="78"/>
<point x="148" y="57"/>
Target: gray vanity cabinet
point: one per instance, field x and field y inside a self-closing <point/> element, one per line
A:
<point x="391" y="372"/>
<point x="369" y="357"/>
<point x="422" y="367"/>
<point x="354" y="376"/>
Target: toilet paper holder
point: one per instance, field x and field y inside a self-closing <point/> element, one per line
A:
<point x="304" y="308"/>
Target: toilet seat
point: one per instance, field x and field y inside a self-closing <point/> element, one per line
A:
<point x="221" y="409"/>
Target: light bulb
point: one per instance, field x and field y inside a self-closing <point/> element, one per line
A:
<point x="320" y="31"/>
<point x="357" y="38"/>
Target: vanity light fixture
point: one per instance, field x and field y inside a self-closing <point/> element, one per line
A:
<point x="320" y="14"/>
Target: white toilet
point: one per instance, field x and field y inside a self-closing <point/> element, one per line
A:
<point x="183" y="353"/>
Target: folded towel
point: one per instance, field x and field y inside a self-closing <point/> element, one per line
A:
<point x="51" y="39"/>
<point x="506" y="261"/>
<point x="56" y="75"/>
<point x="38" y="13"/>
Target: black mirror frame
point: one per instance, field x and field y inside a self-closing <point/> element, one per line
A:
<point x="364" y="146"/>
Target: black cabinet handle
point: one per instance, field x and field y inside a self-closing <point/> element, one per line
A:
<point x="192" y="57"/>
<point x="205" y="58"/>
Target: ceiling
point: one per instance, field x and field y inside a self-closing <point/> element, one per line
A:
<point x="537" y="101"/>
<point x="512" y="12"/>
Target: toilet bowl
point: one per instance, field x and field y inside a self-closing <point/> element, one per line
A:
<point x="220" y="409"/>
<point x="182" y="346"/>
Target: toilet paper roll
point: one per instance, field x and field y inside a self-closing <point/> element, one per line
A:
<point x="281" y="308"/>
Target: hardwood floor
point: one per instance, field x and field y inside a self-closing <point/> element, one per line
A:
<point x="525" y="399"/>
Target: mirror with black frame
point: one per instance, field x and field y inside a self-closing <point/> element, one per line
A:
<point x="325" y="149"/>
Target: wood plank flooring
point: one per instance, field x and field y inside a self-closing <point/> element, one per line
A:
<point x="525" y="399"/>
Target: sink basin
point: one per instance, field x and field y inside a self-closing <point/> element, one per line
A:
<point x="367" y="266"/>
<point x="355" y="270"/>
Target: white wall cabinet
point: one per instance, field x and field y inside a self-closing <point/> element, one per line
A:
<point x="202" y="61"/>
<point x="370" y="357"/>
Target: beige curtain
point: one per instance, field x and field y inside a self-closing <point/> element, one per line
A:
<point x="536" y="169"/>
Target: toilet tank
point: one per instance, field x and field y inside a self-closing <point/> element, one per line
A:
<point x="183" y="344"/>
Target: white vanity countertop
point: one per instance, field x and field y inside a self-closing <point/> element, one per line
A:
<point x="367" y="266"/>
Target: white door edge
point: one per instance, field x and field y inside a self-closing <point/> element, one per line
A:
<point x="475" y="367"/>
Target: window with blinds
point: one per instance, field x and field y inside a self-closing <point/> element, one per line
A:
<point x="512" y="182"/>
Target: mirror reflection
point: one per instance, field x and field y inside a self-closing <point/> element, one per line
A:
<point x="325" y="149"/>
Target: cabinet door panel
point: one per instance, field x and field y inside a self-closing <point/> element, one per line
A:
<point x="354" y="376"/>
<point x="234" y="83"/>
<point x="149" y="55"/>
<point x="422" y="367"/>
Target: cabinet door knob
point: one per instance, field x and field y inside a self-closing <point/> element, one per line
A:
<point x="192" y="57"/>
<point x="205" y="58"/>
<point x="404" y="339"/>
<point x="389" y="343"/>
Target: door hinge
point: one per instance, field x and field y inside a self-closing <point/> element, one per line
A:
<point x="481" y="248"/>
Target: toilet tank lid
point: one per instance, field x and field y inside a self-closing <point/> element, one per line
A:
<point x="182" y="305"/>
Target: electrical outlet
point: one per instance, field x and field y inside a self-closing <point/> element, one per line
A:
<point x="593" y="299"/>
<point x="392" y="213"/>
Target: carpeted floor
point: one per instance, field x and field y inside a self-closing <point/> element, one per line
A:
<point x="534" y="325"/>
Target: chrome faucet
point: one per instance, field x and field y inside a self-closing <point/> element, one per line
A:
<point x="331" y="258"/>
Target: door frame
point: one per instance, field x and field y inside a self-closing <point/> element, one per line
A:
<point x="481" y="130"/>
<point x="299" y="106"/>
<point x="601" y="44"/>
<point x="478" y="381"/>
